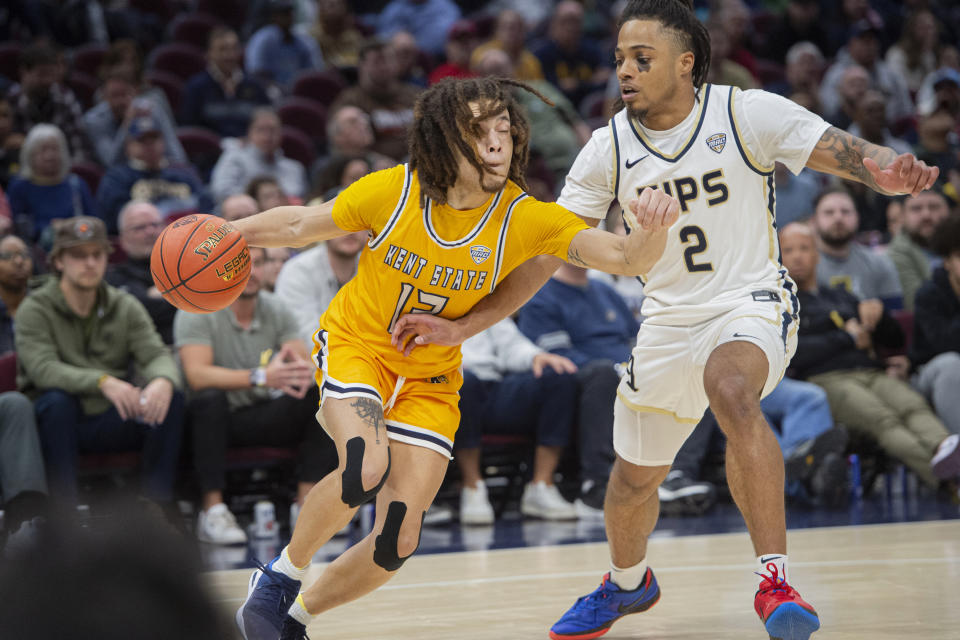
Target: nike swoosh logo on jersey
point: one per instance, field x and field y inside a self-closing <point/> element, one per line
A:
<point x="631" y="165"/>
<point x="743" y="335"/>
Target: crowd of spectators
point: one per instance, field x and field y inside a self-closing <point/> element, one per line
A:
<point x="122" y="117"/>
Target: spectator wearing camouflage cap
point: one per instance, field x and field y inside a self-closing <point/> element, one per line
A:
<point x="77" y="338"/>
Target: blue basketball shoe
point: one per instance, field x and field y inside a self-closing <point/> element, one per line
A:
<point x="593" y="615"/>
<point x="263" y="614"/>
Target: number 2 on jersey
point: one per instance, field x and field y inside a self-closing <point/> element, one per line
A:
<point x="434" y="303"/>
<point x="699" y="245"/>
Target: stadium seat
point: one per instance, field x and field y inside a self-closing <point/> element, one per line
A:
<point x="84" y="87"/>
<point x="306" y="115"/>
<point x="10" y="60"/>
<point x="232" y="12"/>
<point x="769" y="72"/>
<point x="169" y="83"/>
<point x="193" y="29"/>
<point x="89" y="172"/>
<point x="8" y="371"/>
<point x="88" y="58"/>
<point x="905" y="319"/>
<point x="202" y="147"/>
<point x="180" y="59"/>
<point x="164" y="9"/>
<point x="319" y="86"/>
<point x="297" y="145"/>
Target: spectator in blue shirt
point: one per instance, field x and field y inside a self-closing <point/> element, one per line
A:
<point x="222" y="98"/>
<point x="589" y="323"/>
<point x="45" y="189"/>
<point x="148" y="176"/>
<point x="428" y="21"/>
<point x="580" y="318"/>
<point x="275" y="53"/>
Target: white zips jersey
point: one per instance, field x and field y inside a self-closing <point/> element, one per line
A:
<point x="723" y="250"/>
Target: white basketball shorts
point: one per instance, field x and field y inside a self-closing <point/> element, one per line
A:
<point x="661" y="397"/>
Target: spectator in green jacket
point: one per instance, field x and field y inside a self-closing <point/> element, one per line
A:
<point x="910" y="249"/>
<point x="77" y="339"/>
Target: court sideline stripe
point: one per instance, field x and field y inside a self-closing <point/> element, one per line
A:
<point x="660" y="570"/>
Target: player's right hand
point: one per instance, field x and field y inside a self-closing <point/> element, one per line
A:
<point x="653" y="210"/>
<point x="290" y="373"/>
<point x="417" y="329"/>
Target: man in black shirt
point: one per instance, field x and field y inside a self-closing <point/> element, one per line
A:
<point x="936" y="328"/>
<point x="835" y="351"/>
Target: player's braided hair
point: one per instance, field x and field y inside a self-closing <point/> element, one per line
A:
<point x="678" y="16"/>
<point x="444" y="124"/>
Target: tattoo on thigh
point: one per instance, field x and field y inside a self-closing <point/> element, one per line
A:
<point x="370" y="412"/>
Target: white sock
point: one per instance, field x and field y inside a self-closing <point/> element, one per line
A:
<point x="773" y="565"/>
<point x="628" y="579"/>
<point x="284" y="565"/>
<point x="299" y="612"/>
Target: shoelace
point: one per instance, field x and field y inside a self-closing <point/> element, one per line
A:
<point x="293" y="630"/>
<point x="599" y="594"/>
<point x="772" y="582"/>
<point x="274" y="586"/>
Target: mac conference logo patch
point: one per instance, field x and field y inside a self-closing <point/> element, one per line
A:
<point x="479" y="253"/>
<point x="717" y="142"/>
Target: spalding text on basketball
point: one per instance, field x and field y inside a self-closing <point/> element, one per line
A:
<point x="205" y="248"/>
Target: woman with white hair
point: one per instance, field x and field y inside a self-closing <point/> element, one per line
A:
<point x="45" y="189"/>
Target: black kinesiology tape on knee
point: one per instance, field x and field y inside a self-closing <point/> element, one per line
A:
<point x="385" y="547"/>
<point x="351" y="482"/>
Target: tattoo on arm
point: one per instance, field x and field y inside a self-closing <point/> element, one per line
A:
<point x="573" y="257"/>
<point x="847" y="153"/>
<point x="371" y="413"/>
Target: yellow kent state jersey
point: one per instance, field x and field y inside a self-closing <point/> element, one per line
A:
<point x="432" y="259"/>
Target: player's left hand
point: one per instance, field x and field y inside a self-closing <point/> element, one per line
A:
<point x="155" y="401"/>
<point x="418" y="329"/>
<point x="653" y="210"/>
<point x="906" y="174"/>
<point x="559" y="364"/>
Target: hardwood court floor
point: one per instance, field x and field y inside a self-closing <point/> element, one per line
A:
<point x="894" y="581"/>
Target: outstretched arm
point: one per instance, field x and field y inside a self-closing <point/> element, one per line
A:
<point x="880" y="168"/>
<point x="416" y="329"/>
<point x="290" y="226"/>
<point x="651" y="215"/>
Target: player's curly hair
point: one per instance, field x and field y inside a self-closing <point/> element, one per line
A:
<point x="678" y="16"/>
<point x="946" y="238"/>
<point x="444" y="125"/>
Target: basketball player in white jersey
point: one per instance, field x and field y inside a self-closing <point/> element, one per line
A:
<point x="720" y="311"/>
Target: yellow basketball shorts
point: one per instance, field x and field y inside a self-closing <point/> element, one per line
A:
<point x="421" y="412"/>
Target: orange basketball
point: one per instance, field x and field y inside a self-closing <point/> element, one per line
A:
<point x="200" y="263"/>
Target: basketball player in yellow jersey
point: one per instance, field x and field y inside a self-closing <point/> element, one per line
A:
<point x="444" y="230"/>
